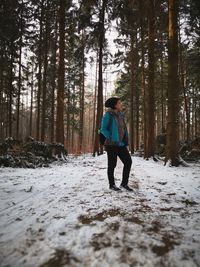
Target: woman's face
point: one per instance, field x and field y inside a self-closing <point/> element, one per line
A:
<point x="118" y="106"/>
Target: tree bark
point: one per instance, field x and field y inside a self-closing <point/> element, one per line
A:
<point x="10" y="93"/>
<point x="39" y="74"/>
<point x="31" y="107"/>
<point x="54" y="75"/>
<point x="173" y="86"/>
<point x="44" y="87"/>
<point x="100" y="79"/>
<point x="141" y="8"/>
<point x="82" y="96"/>
<point x="95" y="99"/>
<point x="132" y="95"/>
<point x="151" y="69"/>
<point x="19" y="88"/>
<point x="61" y="76"/>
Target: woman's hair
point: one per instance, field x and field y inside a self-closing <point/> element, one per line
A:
<point x="111" y="102"/>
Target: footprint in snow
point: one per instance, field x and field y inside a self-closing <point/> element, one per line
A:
<point x="162" y="183"/>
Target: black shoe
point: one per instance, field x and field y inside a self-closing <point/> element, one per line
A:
<point x="126" y="187"/>
<point x="115" y="188"/>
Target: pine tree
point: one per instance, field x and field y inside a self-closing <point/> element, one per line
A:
<point x="61" y="75"/>
<point x="173" y="86"/>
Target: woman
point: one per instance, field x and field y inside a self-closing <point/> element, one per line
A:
<point x="113" y="127"/>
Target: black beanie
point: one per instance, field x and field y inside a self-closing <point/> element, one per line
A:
<point x="111" y="102"/>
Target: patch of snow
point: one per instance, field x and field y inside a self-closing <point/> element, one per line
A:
<point x="66" y="214"/>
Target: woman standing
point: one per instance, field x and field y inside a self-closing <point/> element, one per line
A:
<point x="113" y="127"/>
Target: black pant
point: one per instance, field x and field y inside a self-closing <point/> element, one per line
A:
<point x="124" y="155"/>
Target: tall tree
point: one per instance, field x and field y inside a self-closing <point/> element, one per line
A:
<point x="100" y="76"/>
<point x="173" y="85"/>
<point x="54" y="76"/>
<point x="61" y="75"/>
<point x="151" y="70"/>
<point x="44" y="87"/>
<point x="20" y="72"/>
<point x="143" y="86"/>
<point x="39" y="70"/>
<point x="82" y="91"/>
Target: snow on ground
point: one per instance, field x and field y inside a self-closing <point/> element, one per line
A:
<point x="65" y="215"/>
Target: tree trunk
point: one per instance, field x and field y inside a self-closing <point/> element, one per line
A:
<point x="163" y="130"/>
<point x="68" y="119"/>
<point x="95" y="99"/>
<point x="54" y="75"/>
<point x="132" y="95"/>
<point x="151" y="69"/>
<point x="19" y="88"/>
<point x="173" y="86"/>
<point x="100" y="80"/>
<point x="10" y="93"/>
<point x="31" y="107"/>
<point x="141" y="7"/>
<point x="137" y="105"/>
<point x="44" y="88"/>
<point x="61" y="76"/>
<point x="39" y="74"/>
<point x="82" y="97"/>
<point x="2" y="99"/>
<point x="19" y="77"/>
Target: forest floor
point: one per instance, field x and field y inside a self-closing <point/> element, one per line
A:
<point x="65" y="215"/>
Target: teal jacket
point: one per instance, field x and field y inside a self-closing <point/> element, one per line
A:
<point x="112" y="135"/>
